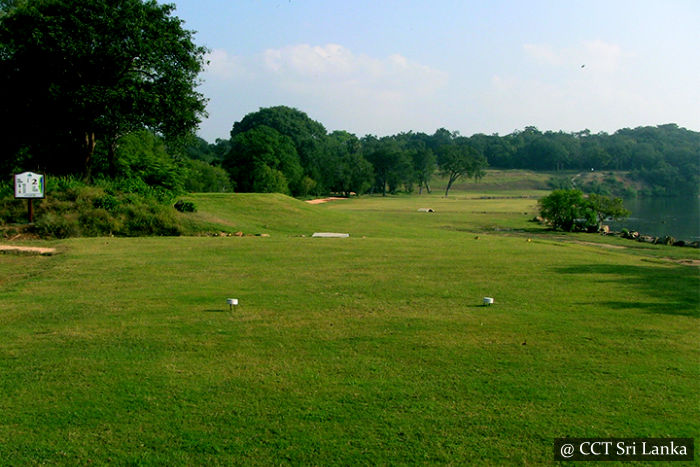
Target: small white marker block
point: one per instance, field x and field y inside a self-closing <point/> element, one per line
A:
<point x="488" y="301"/>
<point x="330" y="235"/>
<point x="232" y="301"/>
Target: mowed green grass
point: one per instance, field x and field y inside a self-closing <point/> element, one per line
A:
<point x="369" y="349"/>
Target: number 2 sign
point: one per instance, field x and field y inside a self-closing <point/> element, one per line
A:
<point x="29" y="185"/>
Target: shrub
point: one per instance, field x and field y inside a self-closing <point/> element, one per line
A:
<point x="560" y="183"/>
<point x="568" y="210"/>
<point x="13" y="210"/>
<point x="201" y="177"/>
<point x="564" y="208"/>
<point x="126" y="207"/>
<point x="136" y="186"/>
<point x="185" y="206"/>
<point x="150" y="219"/>
<point x="6" y="189"/>
<point x="96" y="222"/>
<point x="106" y="202"/>
<point x="54" y="225"/>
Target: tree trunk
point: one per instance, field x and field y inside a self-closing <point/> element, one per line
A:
<point x="450" y="181"/>
<point x="89" y="151"/>
<point x="112" y="158"/>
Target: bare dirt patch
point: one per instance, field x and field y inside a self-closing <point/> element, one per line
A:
<point x="27" y="250"/>
<point x="684" y="261"/>
<point x="602" y="245"/>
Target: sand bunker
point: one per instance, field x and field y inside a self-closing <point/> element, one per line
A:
<point x="324" y="200"/>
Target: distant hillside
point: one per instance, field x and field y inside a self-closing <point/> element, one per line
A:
<point x="619" y="183"/>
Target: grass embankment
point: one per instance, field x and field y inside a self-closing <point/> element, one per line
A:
<point x="371" y="349"/>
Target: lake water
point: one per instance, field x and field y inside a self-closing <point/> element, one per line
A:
<point x="677" y="217"/>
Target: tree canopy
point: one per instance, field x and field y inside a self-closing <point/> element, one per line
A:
<point x="263" y="160"/>
<point x="306" y="134"/>
<point x="75" y="74"/>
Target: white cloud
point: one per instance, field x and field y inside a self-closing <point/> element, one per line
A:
<point x="592" y="83"/>
<point x="335" y="70"/>
<point x="381" y="95"/>
<point x="310" y="61"/>
<point x="350" y="90"/>
<point x="334" y="85"/>
<point x="223" y="66"/>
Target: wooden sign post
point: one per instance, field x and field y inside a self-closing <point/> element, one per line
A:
<point x="29" y="185"/>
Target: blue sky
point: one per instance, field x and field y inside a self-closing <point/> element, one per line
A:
<point x="383" y="67"/>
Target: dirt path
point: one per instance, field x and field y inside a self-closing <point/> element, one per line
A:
<point x="602" y="245"/>
<point x="687" y="262"/>
<point x="684" y="261"/>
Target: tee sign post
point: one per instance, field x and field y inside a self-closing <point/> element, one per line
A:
<point x="29" y="185"/>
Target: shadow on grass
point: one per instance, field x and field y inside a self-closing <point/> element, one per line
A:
<point x="668" y="289"/>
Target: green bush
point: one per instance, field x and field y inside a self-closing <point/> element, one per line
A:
<point x="106" y="202"/>
<point x="569" y="210"/>
<point x="149" y="220"/>
<point x="185" y="206"/>
<point x="564" y="209"/>
<point x="560" y="183"/>
<point x="6" y="189"/>
<point x="97" y="222"/>
<point x="136" y="186"/>
<point x="12" y="210"/>
<point x="201" y="177"/>
<point x="53" y="225"/>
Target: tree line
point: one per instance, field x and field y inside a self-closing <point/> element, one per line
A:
<point x="282" y="149"/>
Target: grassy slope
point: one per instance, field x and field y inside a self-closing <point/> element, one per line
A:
<point x="367" y="349"/>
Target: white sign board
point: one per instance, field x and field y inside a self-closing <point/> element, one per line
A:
<point x="29" y="185"/>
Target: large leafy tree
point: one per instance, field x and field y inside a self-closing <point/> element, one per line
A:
<point x="78" y="73"/>
<point x="307" y="135"/>
<point x="423" y="159"/>
<point x="460" y="159"/>
<point x="263" y="160"/>
<point x="570" y="210"/>
<point x="344" y="169"/>
<point x="605" y="207"/>
<point x="392" y="165"/>
<point x="562" y="208"/>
